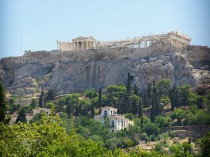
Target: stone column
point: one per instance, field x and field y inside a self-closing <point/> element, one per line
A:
<point x="87" y="45"/>
<point x="82" y="45"/>
<point x="132" y="45"/>
<point x="57" y="45"/>
<point x="145" y="44"/>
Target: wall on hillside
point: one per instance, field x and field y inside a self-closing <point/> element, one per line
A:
<point x="78" y="70"/>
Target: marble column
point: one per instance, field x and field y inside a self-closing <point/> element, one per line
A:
<point x="87" y="45"/>
<point x="145" y="44"/>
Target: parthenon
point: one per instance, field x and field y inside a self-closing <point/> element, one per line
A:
<point x="84" y="43"/>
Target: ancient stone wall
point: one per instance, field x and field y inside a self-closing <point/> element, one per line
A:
<point x="198" y="56"/>
<point x="78" y="70"/>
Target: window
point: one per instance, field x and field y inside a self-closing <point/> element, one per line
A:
<point x="112" y="123"/>
<point x="105" y="113"/>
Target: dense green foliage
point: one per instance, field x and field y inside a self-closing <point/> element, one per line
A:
<point x="2" y="103"/>
<point x="76" y="133"/>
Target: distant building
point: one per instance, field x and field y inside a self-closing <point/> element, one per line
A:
<point x="39" y="110"/>
<point x="176" y="38"/>
<point x="117" y="121"/>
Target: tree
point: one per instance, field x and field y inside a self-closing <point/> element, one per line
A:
<point x="92" y="109"/>
<point x="41" y="98"/>
<point x="130" y="78"/>
<point x="135" y="90"/>
<point x="184" y="95"/>
<point x="50" y="95"/>
<point x="140" y="108"/>
<point x="199" y="102"/>
<point x="90" y="93"/>
<point x="2" y="103"/>
<point x="21" y="116"/>
<point x="163" y="87"/>
<point x="100" y="98"/>
<point x="174" y="97"/>
<point x="205" y="146"/>
<point x="70" y="109"/>
<point x="33" y="103"/>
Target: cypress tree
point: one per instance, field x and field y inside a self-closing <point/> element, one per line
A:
<point x="118" y="106"/>
<point x="145" y="100"/>
<point x="140" y="108"/>
<point x="142" y="122"/>
<point x="135" y="90"/>
<point x="50" y="95"/>
<point x="199" y="102"/>
<point x="152" y="115"/>
<point x="77" y="108"/>
<point x="41" y="98"/>
<point x="153" y="101"/>
<point x="129" y="83"/>
<point x="100" y="98"/>
<point x="92" y="109"/>
<point x="69" y="110"/>
<point x="134" y="107"/>
<point x="2" y="103"/>
<point x="21" y="116"/>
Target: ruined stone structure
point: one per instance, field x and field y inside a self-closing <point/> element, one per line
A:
<point x="80" y="43"/>
<point x="84" y="43"/>
<point x="175" y="38"/>
<point x="77" y="70"/>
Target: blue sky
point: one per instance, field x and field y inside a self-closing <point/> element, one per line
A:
<point x="42" y="22"/>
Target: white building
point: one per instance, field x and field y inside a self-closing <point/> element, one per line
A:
<point x="117" y="121"/>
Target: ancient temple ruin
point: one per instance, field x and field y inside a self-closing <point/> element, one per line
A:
<point x="85" y="43"/>
<point x="79" y="43"/>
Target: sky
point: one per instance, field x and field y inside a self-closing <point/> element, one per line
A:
<point x="36" y="24"/>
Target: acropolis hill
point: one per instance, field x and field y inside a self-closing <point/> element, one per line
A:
<point x="86" y="63"/>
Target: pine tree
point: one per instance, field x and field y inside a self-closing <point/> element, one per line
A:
<point x="2" y="103"/>
<point x="21" y="116"/>
<point x="41" y="98"/>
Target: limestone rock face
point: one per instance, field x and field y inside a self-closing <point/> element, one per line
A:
<point x="77" y="71"/>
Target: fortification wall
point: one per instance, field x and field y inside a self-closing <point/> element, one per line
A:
<point x="198" y="56"/>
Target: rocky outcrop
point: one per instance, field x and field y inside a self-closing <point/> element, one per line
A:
<point x="76" y="71"/>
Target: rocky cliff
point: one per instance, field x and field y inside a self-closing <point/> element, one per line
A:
<point x="75" y="71"/>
